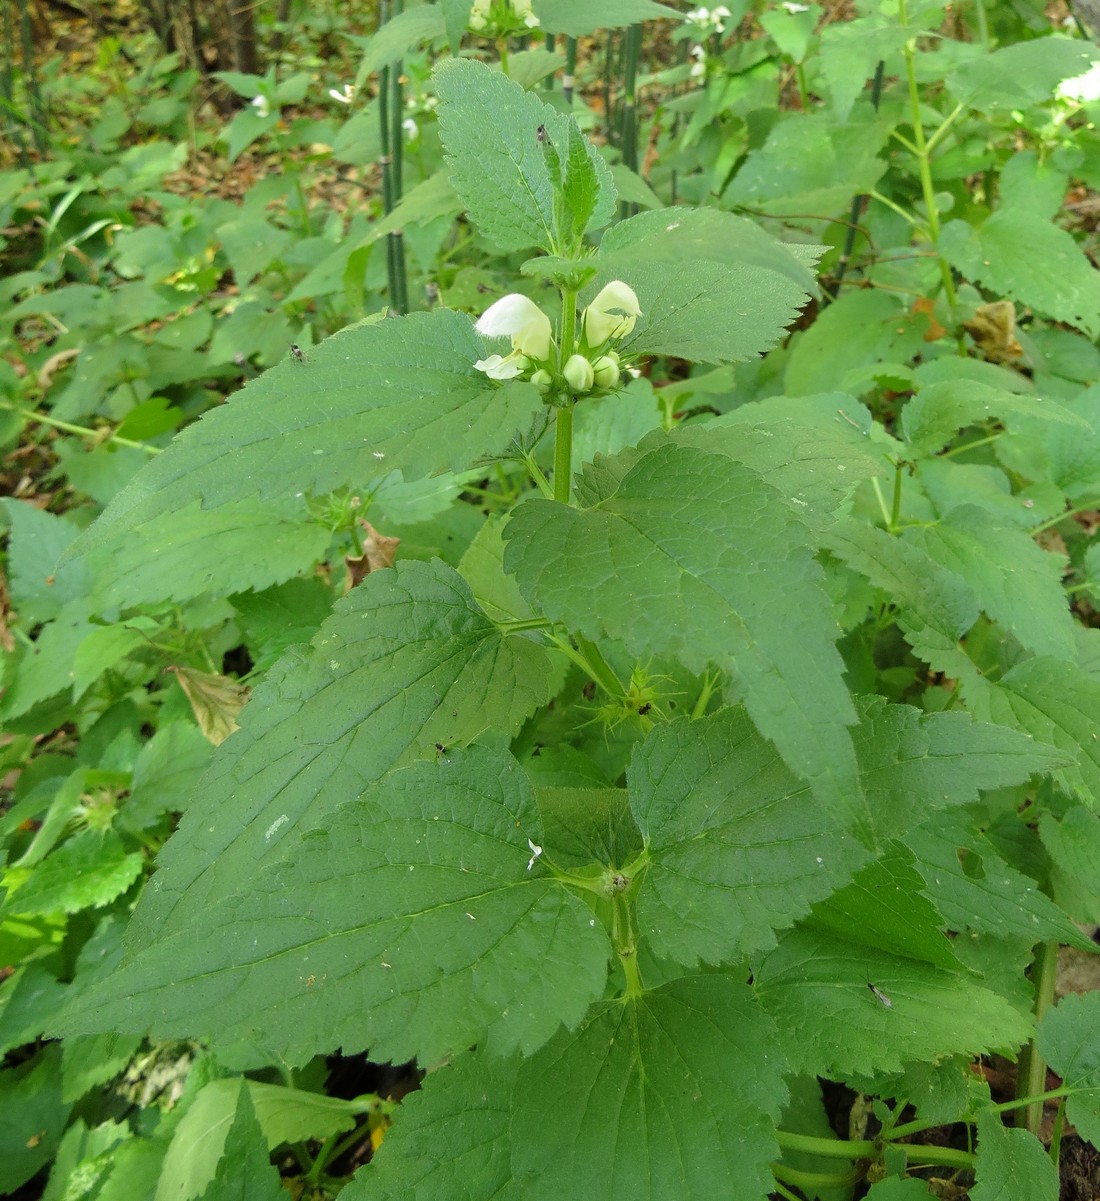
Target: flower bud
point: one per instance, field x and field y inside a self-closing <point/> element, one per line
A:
<point x="612" y="314"/>
<point x="542" y="380"/>
<point x="606" y="370"/>
<point x="578" y="373"/>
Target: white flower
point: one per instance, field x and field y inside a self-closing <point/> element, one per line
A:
<point x="479" y="15"/>
<point x="795" y="8"/>
<point x="612" y="314"/>
<point x="261" y="105"/>
<point x="345" y="95"/>
<point x="522" y="8"/>
<point x="699" y="67"/>
<point x="496" y="367"/>
<point x="522" y="320"/>
<point x="412" y="130"/>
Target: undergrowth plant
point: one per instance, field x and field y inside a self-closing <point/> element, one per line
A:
<point x="702" y="743"/>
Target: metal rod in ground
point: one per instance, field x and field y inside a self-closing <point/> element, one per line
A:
<point x="628" y="139"/>
<point x="569" y="79"/>
<point x="858" y="202"/>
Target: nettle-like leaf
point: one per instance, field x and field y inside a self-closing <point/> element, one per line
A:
<point x="1067" y="1041"/>
<point x="817" y="988"/>
<point x="576" y="18"/>
<point x="1011" y="1163"/>
<point x="377" y="397"/>
<point x="450" y="1139"/>
<point x="712" y="287"/>
<point x="932" y="418"/>
<point x="245" y="1172"/>
<point x="737" y="845"/>
<point x="497" y="138"/>
<point x="1056" y="703"/>
<point x="1016" y="582"/>
<point x="694" y="555"/>
<point x="411" y="923"/>
<point x="1015" y="76"/>
<point x="1021" y="255"/>
<point x="406" y="660"/>
<point x="673" y="1093"/>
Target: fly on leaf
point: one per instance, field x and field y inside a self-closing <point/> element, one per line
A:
<point x="296" y="353"/>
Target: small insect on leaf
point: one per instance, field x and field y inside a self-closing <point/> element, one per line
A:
<point x="296" y="353"/>
<point x="881" y="997"/>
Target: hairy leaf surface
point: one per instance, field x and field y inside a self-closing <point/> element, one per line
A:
<point x="410" y="924"/>
<point x="405" y="661"/>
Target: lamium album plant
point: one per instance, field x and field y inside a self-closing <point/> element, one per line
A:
<point x="734" y="748"/>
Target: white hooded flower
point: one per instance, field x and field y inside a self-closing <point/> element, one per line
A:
<point x="496" y="367"/>
<point x="520" y="319"/>
<point x="262" y="105"/>
<point x="612" y="314"/>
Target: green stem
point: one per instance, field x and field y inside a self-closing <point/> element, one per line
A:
<point x="1085" y="508"/>
<point x="594" y="667"/>
<point x="895" y="508"/>
<point x="1032" y="1072"/>
<point x="623" y="934"/>
<point x="536" y="473"/>
<point x="82" y="430"/>
<point x="983" y="23"/>
<point x="563" y="424"/>
<point x="924" y="161"/>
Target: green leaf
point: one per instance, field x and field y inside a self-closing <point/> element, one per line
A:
<point x="1011" y="1164"/>
<point x="406" y="660"/>
<point x="577" y="18"/>
<point x="1067" y="1041"/>
<point x="1074" y="848"/>
<point x="911" y="763"/>
<point x="36" y="540"/>
<point x="810" y="164"/>
<point x="1017" y="583"/>
<point x="431" y="198"/>
<point x="86" y="871"/>
<point x="803" y="447"/>
<point x="499" y="166"/>
<point x="29" y="997"/>
<point x="738" y="846"/>
<point x="245" y="1172"/>
<point x="94" y="1059"/>
<point x="935" y="607"/>
<point x="185" y="553"/>
<point x="166" y="773"/>
<point x="693" y="555"/>
<point x="425" y="931"/>
<point x="882" y="909"/>
<point x="712" y="287"/>
<point x="32" y="1117"/>
<point x="450" y="1139"/>
<point x="1055" y="702"/>
<point x="1019" y="75"/>
<point x="673" y="1093"/>
<point x="400" y="34"/>
<point x="383" y="395"/>
<point x="45" y="668"/>
<point x="104" y="648"/>
<point x="1021" y="255"/>
<point x="975" y="889"/>
<point x="932" y="418"/>
<point x="282" y="616"/>
<point x="850" y="52"/>
<point x="276" y="1115"/>
<point x="817" y="989"/>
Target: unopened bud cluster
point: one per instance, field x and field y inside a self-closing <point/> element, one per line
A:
<point x="606" y="321"/>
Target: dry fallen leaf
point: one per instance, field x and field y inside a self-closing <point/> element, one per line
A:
<point x="378" y="552"/>
<point x="215" y="701"/>
<point x="993" y="328"/>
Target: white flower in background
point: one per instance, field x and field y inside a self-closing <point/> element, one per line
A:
<point x="479" y="15"/>
<point x="612" y="314"/>
<point x="709" y="20"/>
<point x="412" y="130"/>
<point x="344" y="95"/>
<point x="522" y="9"/>
<point x="519" y="318"/>
<point x="261" y="105"/>
<point x="699" y="67"/>
<point x="795" y="9"/>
